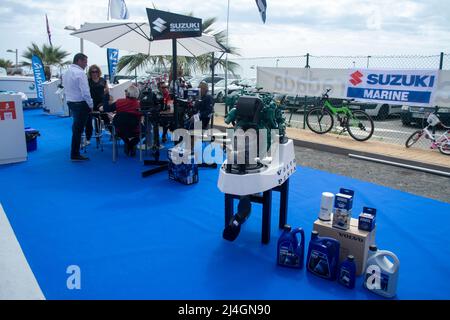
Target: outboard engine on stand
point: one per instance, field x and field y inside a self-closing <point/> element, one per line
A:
<point x="260" y="160"/>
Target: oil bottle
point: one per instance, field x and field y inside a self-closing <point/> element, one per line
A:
<point x="347" y="272"/>
<point x="323" y="256"/>
<point x="291" y="251"/>
<point x="381" y="274"/>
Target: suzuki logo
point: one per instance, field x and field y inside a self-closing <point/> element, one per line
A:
<point x="356" y="78"/>
<point x="159" y="25"/>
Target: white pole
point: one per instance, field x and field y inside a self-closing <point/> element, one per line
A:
<point x="109" y="9"/>
<point x="226" y="59"/>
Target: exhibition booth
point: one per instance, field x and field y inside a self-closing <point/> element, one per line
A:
<point x="155" y="238"/>
<point x="253" y="225"/>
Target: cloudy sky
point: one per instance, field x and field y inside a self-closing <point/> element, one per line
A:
<point x="293" y="27"/>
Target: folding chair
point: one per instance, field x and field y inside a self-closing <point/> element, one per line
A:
<point x="124" y="123"/>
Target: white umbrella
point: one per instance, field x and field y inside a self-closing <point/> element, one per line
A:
<point x="135" y="36"/>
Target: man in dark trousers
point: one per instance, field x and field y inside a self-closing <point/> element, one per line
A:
<point x="78" y="96"/>
<point x="205" y="106"/>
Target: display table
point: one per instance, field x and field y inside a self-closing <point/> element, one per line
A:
<point x="54" y="100"/>
<point x="13" y="146"/>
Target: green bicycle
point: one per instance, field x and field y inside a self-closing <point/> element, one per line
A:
<point x="356" y="122"/>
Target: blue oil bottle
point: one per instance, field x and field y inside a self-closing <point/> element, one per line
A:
<point x="323" y="256"/>
<point x="347" y="272"/>
<point x="291" y="251"/>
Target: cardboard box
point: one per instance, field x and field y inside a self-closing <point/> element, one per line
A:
<point x="182" y="166"/>
<point x="353" y="241"/>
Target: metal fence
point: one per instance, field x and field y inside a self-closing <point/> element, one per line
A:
<point x="439" y="61"/>
<point x="390" y="127"/>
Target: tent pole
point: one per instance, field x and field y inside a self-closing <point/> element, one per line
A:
<point x="226" y="62"/>
<point x="212" y="74"/>
<point x="174" y="79"/>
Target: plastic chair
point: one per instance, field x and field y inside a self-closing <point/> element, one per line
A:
<point x="99" y="127"/>
<point x="124" y="122"/>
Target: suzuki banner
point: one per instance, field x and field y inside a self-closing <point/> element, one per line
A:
<point x="39" y="76"/>
<point x="406" y="87"/>
<point x="166" y="25"/>
<point x="396" y="87"/>
<point x="113" y="59"/>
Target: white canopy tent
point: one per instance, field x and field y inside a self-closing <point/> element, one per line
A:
<point x="135" y="37"/>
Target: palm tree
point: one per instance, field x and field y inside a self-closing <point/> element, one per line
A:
<point x="50" y="56"/>
<point x="6" y="63"/>
<point x="188" y="64"/>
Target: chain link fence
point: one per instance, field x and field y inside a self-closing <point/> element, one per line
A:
<point x="392" y="124"/>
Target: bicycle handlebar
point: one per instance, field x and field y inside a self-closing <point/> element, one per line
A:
<point x="325" y="95"/>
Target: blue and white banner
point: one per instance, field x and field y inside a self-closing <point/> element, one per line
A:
<point x="409" y="87"/>
<point x="312" y="82"/>
<point x="113" y="59"/>
<point x="118" y="10"/>
<point x="39" y="76"/>
<point x="262" y="7"/>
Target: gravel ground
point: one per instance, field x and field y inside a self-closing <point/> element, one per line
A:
<point x="419" y="183"/>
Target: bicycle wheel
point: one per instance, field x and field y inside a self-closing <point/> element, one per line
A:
<point x="360" y="126"/>
<point x="444" y="148"/>
<point x="413" y="138"/>
<point x="319" y="120"/>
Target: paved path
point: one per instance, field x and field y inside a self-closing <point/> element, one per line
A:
<point x="416" y="182"/>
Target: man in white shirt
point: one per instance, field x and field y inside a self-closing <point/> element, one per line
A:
<point x="78" y="96"/>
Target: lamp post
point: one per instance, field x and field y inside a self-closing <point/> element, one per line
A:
<point x="16" y="51"/>
<point x="71" y="28"/>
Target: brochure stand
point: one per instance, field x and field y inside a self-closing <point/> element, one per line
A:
<point x="13" y="147"/>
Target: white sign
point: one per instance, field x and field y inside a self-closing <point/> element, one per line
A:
<point x="303" y="81"/>
<point x="403" y="87"/>
<point x="406" y="87"/>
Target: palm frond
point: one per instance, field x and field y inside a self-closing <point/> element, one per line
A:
<point x="50" y="56"/>
<point x="4" y="63"/>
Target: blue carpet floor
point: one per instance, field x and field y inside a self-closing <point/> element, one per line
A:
<point x="153" y="238"/>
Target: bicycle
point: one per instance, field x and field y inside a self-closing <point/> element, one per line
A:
<point x="441" y="142"/>
<point x="356" y="122"/>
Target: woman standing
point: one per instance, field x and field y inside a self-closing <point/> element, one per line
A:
<point x="97" y="86"/>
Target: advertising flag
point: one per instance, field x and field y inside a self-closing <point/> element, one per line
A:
<point x="48" y="31"/>
<point x="113" y="59"/>
<point x="119" y="10"/>
<point x="262" y="7"/>
<point x="39" y="76"/>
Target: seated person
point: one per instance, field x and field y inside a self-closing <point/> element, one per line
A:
<point x="127" y="117"/>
